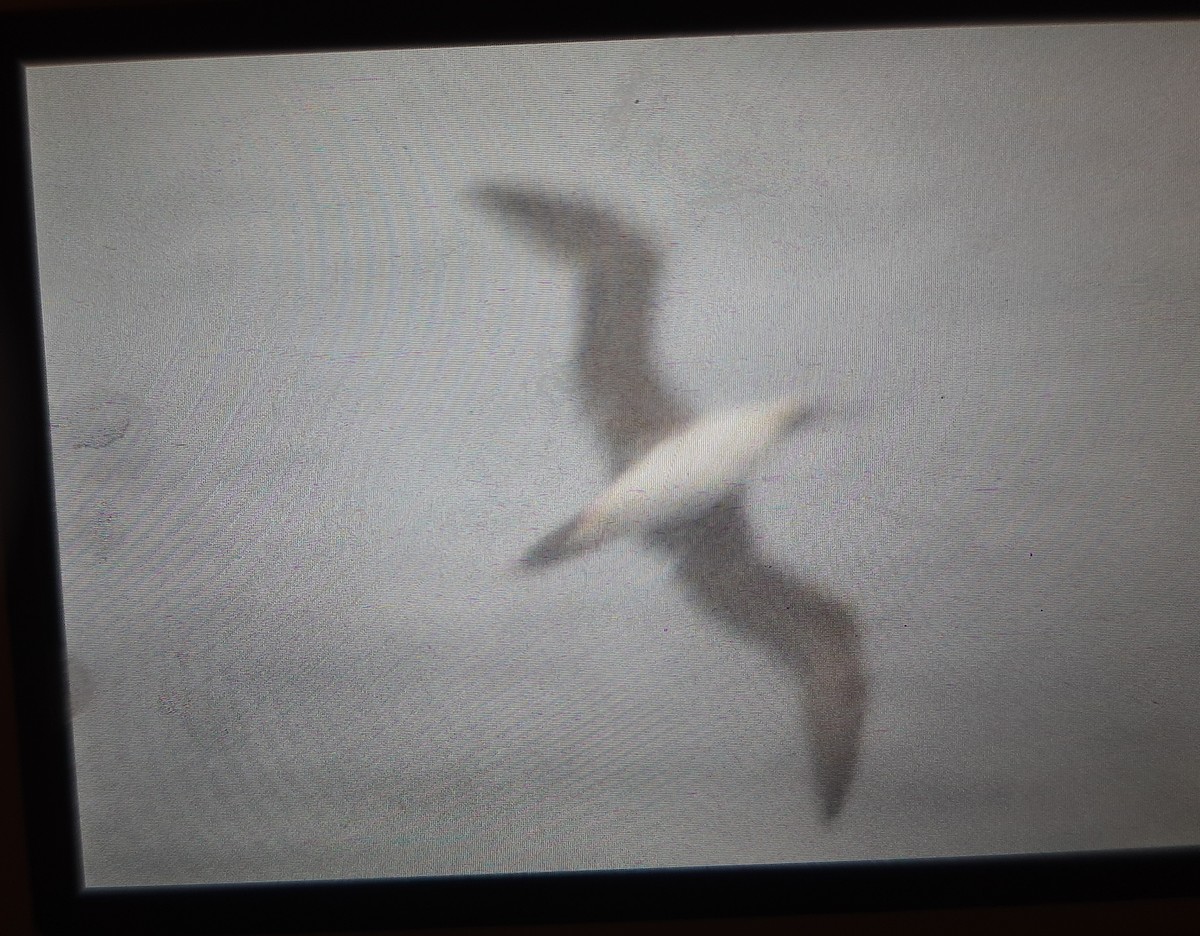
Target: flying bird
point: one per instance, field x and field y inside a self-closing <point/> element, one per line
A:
<point x="680" y="479"/>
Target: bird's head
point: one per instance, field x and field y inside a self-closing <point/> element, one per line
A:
<point x="790" y="414"/>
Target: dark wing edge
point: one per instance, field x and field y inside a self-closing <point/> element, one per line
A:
<point x="619" y="266"/>
<point x="794" y="622"/>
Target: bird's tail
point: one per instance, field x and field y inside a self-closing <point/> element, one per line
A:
<point x="578" y="535"/>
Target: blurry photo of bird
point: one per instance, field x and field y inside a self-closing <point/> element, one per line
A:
<point x="679" y="479"/>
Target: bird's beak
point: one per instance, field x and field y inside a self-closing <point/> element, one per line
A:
<point x="792" y="414"/>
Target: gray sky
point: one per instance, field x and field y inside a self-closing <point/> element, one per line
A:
<point x="310" y="406"/>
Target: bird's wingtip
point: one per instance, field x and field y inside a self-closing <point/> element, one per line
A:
<point x="500" y="195"/>
<point x="831" y="805"/>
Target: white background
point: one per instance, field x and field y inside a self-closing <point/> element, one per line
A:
<point x="309" y="405"/>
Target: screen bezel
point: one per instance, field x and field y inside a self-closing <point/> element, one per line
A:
<point x="35" y="613"/>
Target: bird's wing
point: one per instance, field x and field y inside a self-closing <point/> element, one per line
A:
<point x="619" y="266"/>
<point x="794" y="621"/>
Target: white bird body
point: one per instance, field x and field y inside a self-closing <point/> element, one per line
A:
<point x="680" y="476"/>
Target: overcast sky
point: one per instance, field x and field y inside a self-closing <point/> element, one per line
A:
<point x="310" y="405"/>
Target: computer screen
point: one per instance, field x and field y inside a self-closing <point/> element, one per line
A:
<point x="677" y="452"/>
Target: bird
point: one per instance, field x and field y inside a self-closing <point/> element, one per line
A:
<point x="680" y="478"/>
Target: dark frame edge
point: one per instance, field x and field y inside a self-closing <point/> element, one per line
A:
<point x="30" y="547"/>
<point x="201" y="28"/>
<point x="647" y="895"/>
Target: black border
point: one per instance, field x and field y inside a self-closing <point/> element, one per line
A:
<point x="607" y="896"/>
<point x="33" y="587"/>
